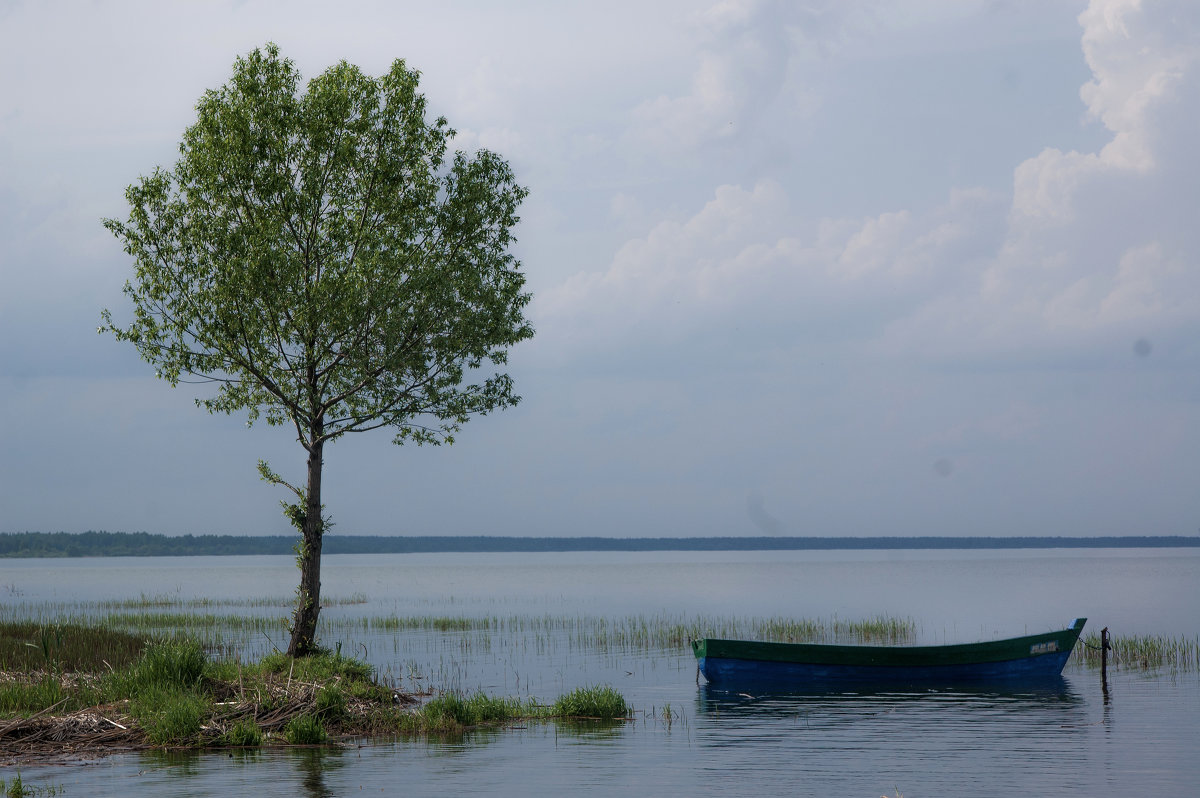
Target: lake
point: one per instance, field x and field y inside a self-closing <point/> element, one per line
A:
<point x="540" y="624"/>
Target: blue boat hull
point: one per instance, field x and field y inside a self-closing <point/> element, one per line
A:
<point x="721" y="671"/>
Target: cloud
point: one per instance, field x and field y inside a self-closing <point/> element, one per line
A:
<point x="1089" y="245"/>
<point x="747" y="68"/>
<point x="743" y="261"/>
<point x="1095" y="239"/>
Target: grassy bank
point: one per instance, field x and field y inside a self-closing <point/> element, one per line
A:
<point x="61" y="691"/>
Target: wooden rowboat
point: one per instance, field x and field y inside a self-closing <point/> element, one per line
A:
<point x="797" y="665"/>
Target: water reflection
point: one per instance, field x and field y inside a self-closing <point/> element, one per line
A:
<point x="589" y="731"/>
<point x="1045" y="702"/>
<point x="1057" y="691"/>
<point x="313" y="763"/>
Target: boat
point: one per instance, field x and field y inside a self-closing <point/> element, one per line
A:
<point x="728" y="663"/>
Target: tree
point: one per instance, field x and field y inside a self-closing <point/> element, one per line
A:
<point x="317" y="258"/>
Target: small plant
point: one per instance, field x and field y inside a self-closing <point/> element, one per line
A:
<point x="603" y="703"/>
<point x="330" y="703"/>
<point x="19" y="697"/>
<point x="243" y="734"/>
<point x="172" y="663"/>
<point x="450" y="713"/>
<point x="50" y="641"/>
<point x="16" y="789"/>
<point x="305" y="730"/>
<point x="445" y="714"/>
<point x="321" y="667"/>
<point x="169" y="717"/>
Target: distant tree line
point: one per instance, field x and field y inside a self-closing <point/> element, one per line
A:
<point x="144" y="544"/>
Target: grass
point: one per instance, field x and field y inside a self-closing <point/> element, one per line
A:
<point x="1145" y="652"/>
<point x="17" y="788"/>
<point x="24" y="698"/>
<point x="172" y="695"/>
<point x="599" y="703"/>
<point x="230" y="634"/>
<point x="305" y="730"/>
<point x="171" y="716"/>
<point x="75" y="647"/>
<point x="243" y="734"/>
<point x="452" y="714"/>
<point x="330" y="702"/>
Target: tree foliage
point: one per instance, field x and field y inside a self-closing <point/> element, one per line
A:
<point x="319" y="257"/>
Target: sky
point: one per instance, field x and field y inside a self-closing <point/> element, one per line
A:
<point x="837" y="267"/>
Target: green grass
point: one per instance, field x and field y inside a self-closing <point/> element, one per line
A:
<point x="451" y="713"/>
<point x="602" y="702"/>
<point x="237" y="634"/>
<point x="1145" y="652"/>
<point x="305" y="730"/>
<point x="322" y="667"/>
<point x="24" y="698"/>
<point x="168" y="692"/>
<point x="330" y="703"/>
<point x="160" y="601"/>
<point x="17" y="788"/>
<point x="75" y="647"/>
<point x="172" y="663"/>
<point x="170" y="716"/>
<point x="243" y="734"/>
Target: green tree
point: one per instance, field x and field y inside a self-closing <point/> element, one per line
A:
<point x="317" y="257"/>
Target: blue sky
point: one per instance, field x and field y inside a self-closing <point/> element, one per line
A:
<point x="833" y="268"/>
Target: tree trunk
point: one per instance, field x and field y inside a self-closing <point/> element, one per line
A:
<point x="308" y="597"/>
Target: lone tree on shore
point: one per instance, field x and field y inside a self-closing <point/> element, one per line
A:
<point x="316" y="257"/>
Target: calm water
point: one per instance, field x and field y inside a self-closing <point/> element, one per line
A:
<point x="1062" y="740"/>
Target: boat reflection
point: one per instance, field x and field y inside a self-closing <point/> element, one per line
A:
<point x="1056" y="695"/>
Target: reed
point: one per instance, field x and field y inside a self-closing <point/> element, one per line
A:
<point x="19" y="788"/>
<point x="305" y="730"/>
<point x="170" y="715"/>
<point x="452" y="714"/>
<point x="71" y="647"/>
<point x="144" y="602"/>
<point x="243" y="734"/>
<point x="1145" y="652"/>
<point x="592" y="703"/>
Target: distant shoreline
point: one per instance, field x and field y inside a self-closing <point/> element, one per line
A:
<point x="142" y="544"/>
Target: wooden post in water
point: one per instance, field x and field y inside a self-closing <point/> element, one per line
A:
<point x="1104" y="647"/>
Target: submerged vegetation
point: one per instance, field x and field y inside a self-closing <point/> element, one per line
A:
<point x="235" y="631"/>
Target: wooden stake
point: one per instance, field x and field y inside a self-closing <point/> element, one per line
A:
<point x="1104" y="647"/>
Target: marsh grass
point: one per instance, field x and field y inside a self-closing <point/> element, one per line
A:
<point x="330" y="703"/>
<point x="145" y="601"/>
<point x="17" y="788"/>
<point x="24" y="697"/>
<point x="170" y="715"/>
<point x="29" y="645"/>
<point x="1145" y="652"/>
<point x="305" y="729"/>
<point x="243" y="734"/>
<point x="233" y="634"/>
<point x="452" y="714"/>
<point x="599" y="703"/>
<point x="174" y="696"/>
